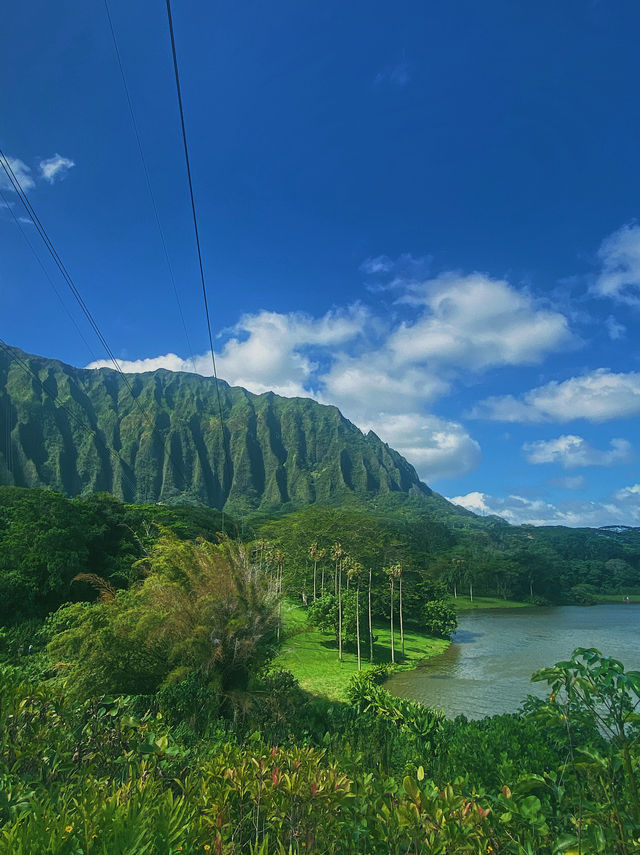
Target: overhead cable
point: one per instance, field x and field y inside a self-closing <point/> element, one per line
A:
<point x="148" y="181"/>
<point x="195" y="228"/>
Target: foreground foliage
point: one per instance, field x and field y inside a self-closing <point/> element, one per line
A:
<point x="165" y="774"/>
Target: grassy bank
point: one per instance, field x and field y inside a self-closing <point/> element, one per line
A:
<point x="617" y="598"/>
<point x="464" y="604"/>
<point x="312" y="655"/>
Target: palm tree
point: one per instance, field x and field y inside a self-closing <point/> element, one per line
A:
<point x="390" y="571"/>
<point x="370" y="619"/>
<point x="355" y="573"/>
<point x="321" y="556"/>
<point x="399" y="577"/>
<point x="313" y="555"/>
<point x="338" y="555"/>
<point x="316" y="555"/>
<point x="278" y="558"/>
<point x="457" y="565"/>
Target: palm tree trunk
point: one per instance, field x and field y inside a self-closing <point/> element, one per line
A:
<point x="471" y="589"/>
<point x="279" y="590"/>
<point x="315" y="568"/>
<point x="358" y="623"/>
<point x="340" y="614"/>
<point x="393" y="652"/>
<point x="401" y="623"/>
<point x="370" y="622"/>
<point x="322" y="583"/>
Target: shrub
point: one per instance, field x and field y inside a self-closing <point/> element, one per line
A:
<point x="440" y="618"/>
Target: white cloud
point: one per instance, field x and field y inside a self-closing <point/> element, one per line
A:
<point x="385" y="374"/>
<point x="265" y="351"/>
<point x="597" y="397"/>
<point x="438" y="448"/>
<point x="379" y="264"/>
<point x="170" y="361"/>
<point x="623" y="508"/>
<point x="56" y="167"/>
<point x="569" y="451"/>
<point x="571" y="482"/>
<point x="474" y="322"/>
<point x="391" y="273"/>
<point x="614" y="329"/>
<point x="22" y="173"/>
<point x="399" y="75"/>
<point x="619" y="255"/>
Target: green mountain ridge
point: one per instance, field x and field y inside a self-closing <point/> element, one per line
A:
<point x="156" y="437"/>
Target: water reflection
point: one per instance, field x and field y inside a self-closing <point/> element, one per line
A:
<point x="488" y="667"/>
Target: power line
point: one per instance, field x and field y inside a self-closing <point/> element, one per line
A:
<point x="87" y="428"/>
<point x="69" y="281"/>
<point x="63" y="270"/>
<point x="46" y="273"/>
<point x="148" y="180"/>
<point x="195" y="228"/>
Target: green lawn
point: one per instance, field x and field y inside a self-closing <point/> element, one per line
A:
<point x="616" y="598"/>
<point x="312" y="656"/>
<point x="464" y="604"/>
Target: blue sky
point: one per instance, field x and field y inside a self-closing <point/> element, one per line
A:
<point x="424" y="213"/>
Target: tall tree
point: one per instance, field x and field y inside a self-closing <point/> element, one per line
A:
<point x="338" y="556"/>
<point x="392" y="574"/>
<point x="355" y="574"/>
<point x="279" y="558"/>
<point x="399" y="577"/>
<point x="316" y="554"/>
<point x="370" y="617"/>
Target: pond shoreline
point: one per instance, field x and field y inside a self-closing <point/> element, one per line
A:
<point x="488" y="666"/>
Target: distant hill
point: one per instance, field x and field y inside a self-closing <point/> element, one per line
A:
<point x="164" y="442"/>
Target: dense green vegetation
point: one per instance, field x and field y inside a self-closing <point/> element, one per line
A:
<point x="46" y="540"/>
<point x="267" y="768"/>
<point x="144" y="706"/>
<point x="310" y="653"/>
<point x="157" y="437"/>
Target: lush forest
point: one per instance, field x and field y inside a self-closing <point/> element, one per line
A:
<point x="47" y="539"/>
<point x="143" y="712"/>
<point x="158" y="436"/>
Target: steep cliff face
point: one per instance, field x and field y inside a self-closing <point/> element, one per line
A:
<point x="158" y="438"/>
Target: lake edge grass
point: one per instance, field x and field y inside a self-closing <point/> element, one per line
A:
<point x="312" y="655"/>
<point x="463" y="603"/>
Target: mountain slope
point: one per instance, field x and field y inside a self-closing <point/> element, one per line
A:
<point x="164" y="442"/>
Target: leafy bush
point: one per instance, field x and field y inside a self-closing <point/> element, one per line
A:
<point x="440" y="618"/>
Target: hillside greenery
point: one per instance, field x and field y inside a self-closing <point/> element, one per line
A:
<point x="46" y="540"/>
<point x="147" y="706"/>
<point x="158" y="437"/>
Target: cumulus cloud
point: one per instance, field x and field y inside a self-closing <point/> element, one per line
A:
<point x="22" y="173"/>
<point x="398" y="75"/>
<point x="570" y="451"/>
<point x="438" y="448"/>
<point x="619" y="255"/>
<point x="387" y="273"/>
<point x="384" y="373"/>
<point x="55" y="168"/>
<point x="623" y="508"/>
<point x="264" y="352"/>
<point x="475" y="322"/>
<point x="614" y="329"/>
<point x="597" y="397"/>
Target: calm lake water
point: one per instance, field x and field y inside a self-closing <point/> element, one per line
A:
<point x="487" y="669"/>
